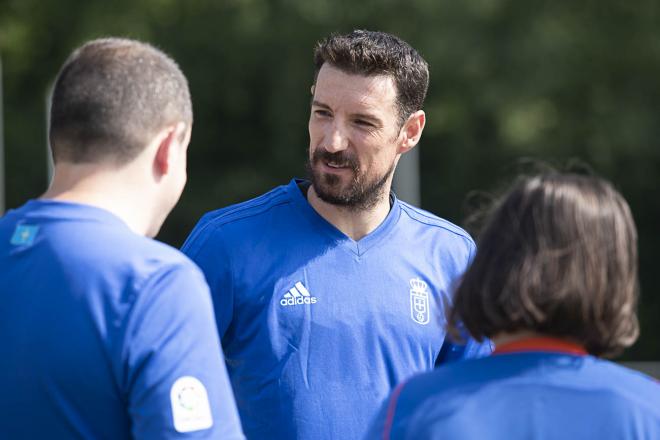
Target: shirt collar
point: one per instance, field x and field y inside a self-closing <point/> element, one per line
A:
<point x="541" y="344"/>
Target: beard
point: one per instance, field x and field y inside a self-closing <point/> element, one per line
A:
<point x="362" y="192"/>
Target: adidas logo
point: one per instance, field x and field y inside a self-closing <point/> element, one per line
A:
<point x="298" y="294"/>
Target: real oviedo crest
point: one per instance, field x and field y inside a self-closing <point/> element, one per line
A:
<point x="419" y="301"/>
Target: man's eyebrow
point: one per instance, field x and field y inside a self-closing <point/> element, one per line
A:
<point x="367" y="117"/>
<point x="316" y="103"/>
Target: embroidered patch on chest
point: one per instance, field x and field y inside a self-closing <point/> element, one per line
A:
<point x="419" y="301"/>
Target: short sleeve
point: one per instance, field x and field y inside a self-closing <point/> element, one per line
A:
<point x="176" y="379"/>
<point x="207" y="249"/>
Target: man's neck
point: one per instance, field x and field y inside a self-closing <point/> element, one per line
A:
<point x="507" y="338"/>
<point x="521" y="335"/>
<point x="354" y="223"/>
<point x="112" y="191"/>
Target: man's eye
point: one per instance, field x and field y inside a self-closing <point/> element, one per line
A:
<point x="322" y="113"/>
<point x="363" y="123"/>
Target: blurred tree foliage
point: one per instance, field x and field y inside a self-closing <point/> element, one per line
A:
<point x="509" y="79"/>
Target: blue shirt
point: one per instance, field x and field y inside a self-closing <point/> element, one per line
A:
<point x="105" y="333"/>
<point x="536" y="393"/>
<point x="318" y="328"/>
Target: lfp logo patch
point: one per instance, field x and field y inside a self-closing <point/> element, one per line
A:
<point x="191" y="410"/>
<point x="24" y="235"/>
<point x="419" y="301"/>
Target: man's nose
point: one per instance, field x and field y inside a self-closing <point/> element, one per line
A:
<point x="337" y="139"/>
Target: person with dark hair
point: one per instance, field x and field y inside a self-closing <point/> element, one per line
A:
<point x="554" y="284"/>
<point x="330" y="291"/>
<point x="106" y="332"/>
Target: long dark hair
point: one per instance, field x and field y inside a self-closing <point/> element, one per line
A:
<point x="558" y="256"/>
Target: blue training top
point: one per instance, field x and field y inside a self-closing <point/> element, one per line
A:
<point x="318" y="328"/>
<point x="535" y="389"/>
<point x="105" y="333"/>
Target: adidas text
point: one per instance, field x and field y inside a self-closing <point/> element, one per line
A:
<point x="297" y="295"/>
<point x="294" y="301"/>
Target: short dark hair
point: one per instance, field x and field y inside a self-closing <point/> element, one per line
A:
<point x="110" y="97"/>
<point x="557" y="256"/>
<point x="377" y="53"/>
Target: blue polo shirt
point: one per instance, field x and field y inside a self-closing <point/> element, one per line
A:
<point x="106" y="334"/>
<point x="533" y="389"/>
<point x="318" y="328"/>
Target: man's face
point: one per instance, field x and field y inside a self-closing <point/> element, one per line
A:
<point x="354" y="134"/>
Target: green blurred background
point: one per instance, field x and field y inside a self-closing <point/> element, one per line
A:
<point x="556" y="81"/>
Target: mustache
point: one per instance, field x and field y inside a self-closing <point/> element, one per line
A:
<point x="341" y="158"/>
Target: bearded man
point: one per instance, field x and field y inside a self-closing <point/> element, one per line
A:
<point x="330" y="291"/>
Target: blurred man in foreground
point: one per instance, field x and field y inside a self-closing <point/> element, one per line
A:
<point x="554" y="284"/>
<point x="107" y="333"/>
<point x="330" y="291"/>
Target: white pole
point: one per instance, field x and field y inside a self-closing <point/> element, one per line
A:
<point x="49" y="155"/>
<point x="406" y="178"/>
<point x="2" y="150"/>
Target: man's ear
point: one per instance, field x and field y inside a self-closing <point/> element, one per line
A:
<point x="412" y="131"/>
<point x="169" y="140"/>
